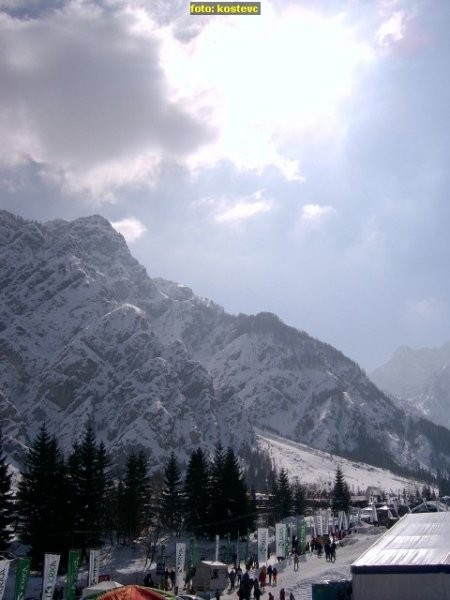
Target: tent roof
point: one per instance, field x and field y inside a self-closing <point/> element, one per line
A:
<point x="416" y="543"/>
<point x="100" y="587"/>
<point x="133" y="592"/>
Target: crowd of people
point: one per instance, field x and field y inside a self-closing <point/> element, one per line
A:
<point x="248" y="587"/>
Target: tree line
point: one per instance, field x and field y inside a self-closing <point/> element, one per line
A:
<point x="63" y="502"/>
<point x="75" y="501"/>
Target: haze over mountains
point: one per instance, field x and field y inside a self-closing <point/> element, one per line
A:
<point x="86" y="334"/>
<point x="421" y="378"/>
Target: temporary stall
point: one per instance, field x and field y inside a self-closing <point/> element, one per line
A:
<point x="210" y="575"/>
<point x="411" y="560"/>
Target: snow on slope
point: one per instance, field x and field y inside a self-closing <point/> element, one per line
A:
<point x="314" y="466"/>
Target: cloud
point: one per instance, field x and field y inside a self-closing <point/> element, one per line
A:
<point x="244" y="209"/>
<point x="131" y="229"/>
<point x="84" y="96"/>
<point x="391" y="30"/>
<point x="314" y="214"/>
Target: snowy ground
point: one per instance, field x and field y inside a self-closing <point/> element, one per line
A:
<point x="313" y="569"/>
<point x="128" y="565"/>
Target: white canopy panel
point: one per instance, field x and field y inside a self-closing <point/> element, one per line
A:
<point x="417" y="543"/>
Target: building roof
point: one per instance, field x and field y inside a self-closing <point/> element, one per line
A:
<point x="417" y="543"/>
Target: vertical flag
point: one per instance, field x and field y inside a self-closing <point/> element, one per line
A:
<point x="374" y="513"/>
<point x="345" y="522"/>
<point x="280" y="540"/>
<point x="326" y="524"/>
<point x="23" y="567"/>
<point x="4" y="570"/>
<point x="94" y="566"/>
<point x="72" y="573"/>
<point x="191" y="552"/>
<point x="302" y="536"/>
<point x="263" y="542"/>
<point x="180" y="559"/>
<point x="319" y="524"/>
<point x="247" y="546"/>
<point x="51" y="564"/>
<point x="217" y="548"/>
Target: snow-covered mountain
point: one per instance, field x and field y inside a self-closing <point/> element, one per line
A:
<point x="421" y="378"/>
<point x="85" y="333"/>
<point x="77" y="343"/>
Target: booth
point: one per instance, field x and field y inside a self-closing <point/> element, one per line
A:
<point x="210" y="575"/>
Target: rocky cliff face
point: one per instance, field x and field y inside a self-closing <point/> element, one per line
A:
<point x="85" y="333"/>
<point x="77" y="343"/>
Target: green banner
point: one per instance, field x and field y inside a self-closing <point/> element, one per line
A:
<point x="72" y="573"/>
<point x="23" y="567"/>
<point x="191" y="552"/>
<point x="302" y="536"/>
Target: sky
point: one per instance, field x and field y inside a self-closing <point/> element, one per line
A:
<point x="295" y="161"/>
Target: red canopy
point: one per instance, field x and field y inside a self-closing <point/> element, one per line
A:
<point x="132" y="592"/>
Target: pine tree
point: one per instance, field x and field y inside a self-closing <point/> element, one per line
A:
<point x="283" y="501"/>
<point x="217" y="493"/>
<point x="299" y="494"/>
<point x="42" y="499"/>
<point x="171" y="505"/>
<point x="341" y="492"/>
<point x="134" y="497"/>
<point x="196" y="493"/>
<point x="6" y="500"/>
<point x="90" y="483"/>
<point x="237" y="515"/>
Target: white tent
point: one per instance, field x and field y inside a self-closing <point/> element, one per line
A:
<point x="102" y="586"/>
<point x="210" y="575"/>
<point x="411" y="560"/>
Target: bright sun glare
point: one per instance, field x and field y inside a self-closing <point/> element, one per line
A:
<point x="266" y="77"/>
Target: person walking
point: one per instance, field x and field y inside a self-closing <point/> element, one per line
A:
<point x="262" y="578"/>
<point x="274" y="575"/>
<point x="232" y="576"/>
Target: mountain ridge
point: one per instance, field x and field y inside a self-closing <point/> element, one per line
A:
<point x="85" y="333"/>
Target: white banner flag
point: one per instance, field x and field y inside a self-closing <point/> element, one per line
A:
<point x="280" y="540"/>
<point x="374" y="514"/>
<point x="326" y="523"/>
<point x="263" y="544"/>
<point x="217" y="548"/>
<point x="94" y="566"/>
<point x="4" y="570"/>
<point x="319" y="525"/>
<point x="345" y="524"/>
<point x="180" y="558"/>
<point x="51" y="564"/>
